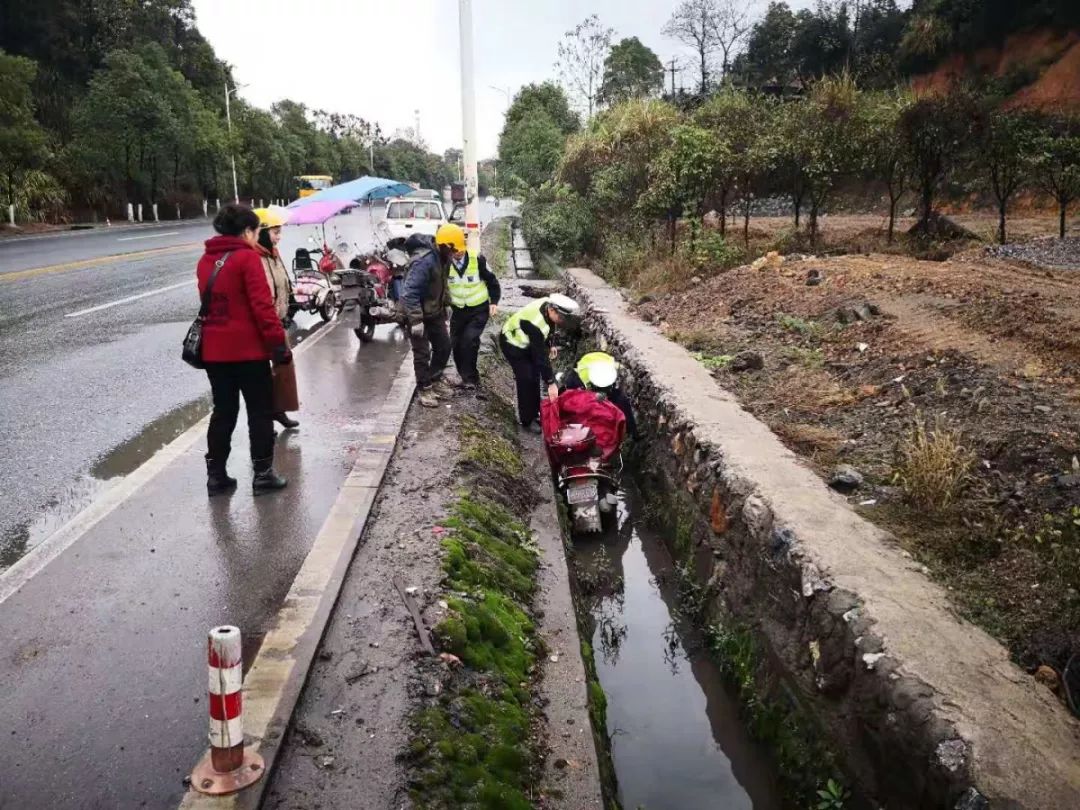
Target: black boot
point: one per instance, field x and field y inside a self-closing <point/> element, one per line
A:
<point x="217" y="481"/>
<point x="266" y="480"/>
<point x="283" y="419"/>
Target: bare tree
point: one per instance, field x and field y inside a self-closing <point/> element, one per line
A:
<point x="581" y="60"/>
<point x="731" y="23"/>
<point x="694" y="24"/>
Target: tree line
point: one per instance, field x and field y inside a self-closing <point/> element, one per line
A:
<point x="108" y="103"/>
<point x="645" y="158"/>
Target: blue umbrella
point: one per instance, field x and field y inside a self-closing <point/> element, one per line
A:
<point x="358" y="190"/>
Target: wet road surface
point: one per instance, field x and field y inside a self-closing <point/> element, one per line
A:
<point x="19" y="254"/>
<point x="685" y="747"/>
<point x="104" y="667"/>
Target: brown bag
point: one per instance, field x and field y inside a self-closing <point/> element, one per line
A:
<point x="286" y="397"/>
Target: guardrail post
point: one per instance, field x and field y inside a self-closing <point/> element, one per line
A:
<point x="130" y="212"/>
<point x="227" y="767"/>
<point x="140" y="212"/>
<point x="154" y="207"/>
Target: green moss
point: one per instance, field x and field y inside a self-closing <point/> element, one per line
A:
<point x="472" y="748"/>
<point x="466" y="752"/>
<point x="488" y="449"/>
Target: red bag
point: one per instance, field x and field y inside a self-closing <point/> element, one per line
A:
<point x="578" y="406"/>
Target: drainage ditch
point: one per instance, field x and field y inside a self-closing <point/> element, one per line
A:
<point x="674" y="731"/>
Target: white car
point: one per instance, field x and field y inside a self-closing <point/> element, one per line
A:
<point x="405" y="217"/>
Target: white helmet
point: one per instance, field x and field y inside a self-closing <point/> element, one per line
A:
<point x="568" y="308"/>
<point x="603" y="375"/>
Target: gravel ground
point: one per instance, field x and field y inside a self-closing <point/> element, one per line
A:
<point x="1054" y="254"/>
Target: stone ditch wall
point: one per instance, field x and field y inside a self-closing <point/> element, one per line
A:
<point x="925" y="709"/>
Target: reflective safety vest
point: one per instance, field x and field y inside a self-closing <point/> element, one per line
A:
<point x="591" y="360"/>
<point x="531" y="312"/>
<point x="467" y="289"/>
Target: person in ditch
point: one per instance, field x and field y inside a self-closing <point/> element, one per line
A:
<point x="599" y="372"/>
<point x="422" y="311"/>
<point x="474" y="298"/>
<point x="525" y="343"/>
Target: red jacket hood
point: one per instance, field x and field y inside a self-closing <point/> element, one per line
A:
<point x="217" y="245"/>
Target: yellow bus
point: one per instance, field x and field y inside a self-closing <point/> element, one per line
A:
<point x="308" y="184"/>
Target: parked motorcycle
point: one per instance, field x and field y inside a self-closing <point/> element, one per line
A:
<point x="583" y="433"/>
<point x="315" y="285"/>
<point x="369" y="290"/>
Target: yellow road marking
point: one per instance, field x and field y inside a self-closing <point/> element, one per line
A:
<point x="57" y="268"/>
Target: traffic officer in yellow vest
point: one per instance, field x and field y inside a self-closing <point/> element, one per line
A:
<point x="599" y="372"/>
<point x="525" y="345"/>
<point x="474" y="297"/>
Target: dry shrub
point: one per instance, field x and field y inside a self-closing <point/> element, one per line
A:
<point x="811" y="389"/>
<point x="809" y="438"/>
<point x="933" y="466"/>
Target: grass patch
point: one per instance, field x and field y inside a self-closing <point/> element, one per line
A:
<point x="793" y="323"/>
<point x="713" y="362"/>
<point x="933" y="466"/>
<point x="486" y="448"/>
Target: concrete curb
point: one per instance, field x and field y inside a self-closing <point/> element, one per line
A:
<point x="564" y="686"/>
<point x="925" y="709"/>
<point x="277" y="676"/>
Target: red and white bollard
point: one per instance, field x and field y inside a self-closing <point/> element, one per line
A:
<point x="227" y="767"/>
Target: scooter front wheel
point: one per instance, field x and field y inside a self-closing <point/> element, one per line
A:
<point x="328" y="309"/>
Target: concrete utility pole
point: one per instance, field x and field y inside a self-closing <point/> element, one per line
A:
<point x="417" y="113"/>
<point x="468" y="126"/>
<point x="232" y="155"/>
<point x="673" y="70"/>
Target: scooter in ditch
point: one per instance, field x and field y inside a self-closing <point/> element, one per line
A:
<point x="315" y="282"/>
<point x="583" y="432"/>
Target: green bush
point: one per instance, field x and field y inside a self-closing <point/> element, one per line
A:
<point x="712" y="251"/>
<point x="556" y="220"/>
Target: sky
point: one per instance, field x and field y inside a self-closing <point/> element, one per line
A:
<point x="383" y="60"/>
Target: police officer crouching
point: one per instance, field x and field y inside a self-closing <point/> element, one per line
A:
<point x="525" y="343"/>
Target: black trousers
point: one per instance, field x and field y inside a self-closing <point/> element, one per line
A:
<point x="430" y="351"/>
<point x="466" y="326"/>
<point x="527" y="379"/>
<point x="228" y="381"/>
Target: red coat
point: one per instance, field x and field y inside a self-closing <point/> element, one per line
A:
<point x="242" y="323"/>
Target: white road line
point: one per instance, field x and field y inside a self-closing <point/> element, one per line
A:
<point x="147" y="236"/>
<point x="35" y="560"/>
<point x="189" y="283"/>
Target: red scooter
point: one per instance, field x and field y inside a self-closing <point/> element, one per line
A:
<point x="583" y="433"/>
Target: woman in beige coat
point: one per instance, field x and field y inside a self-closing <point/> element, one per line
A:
<point x="270" y="222"/>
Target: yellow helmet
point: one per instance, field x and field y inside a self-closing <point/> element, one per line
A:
<point x="451" y="235"/>
<point x="273" y="216"/>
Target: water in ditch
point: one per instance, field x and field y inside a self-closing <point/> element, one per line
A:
<point x="677" y="740"/>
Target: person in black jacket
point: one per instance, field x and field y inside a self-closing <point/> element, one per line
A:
<point x="422" y="310"/>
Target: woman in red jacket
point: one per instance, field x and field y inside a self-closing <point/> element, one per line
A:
<point x="241" y="334"/>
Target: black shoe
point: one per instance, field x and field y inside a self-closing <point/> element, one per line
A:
<point x="284" y="420"/>
<point x="266" y="480"/>
<point x="532" y="428"/>
<point x="217" y="481"/>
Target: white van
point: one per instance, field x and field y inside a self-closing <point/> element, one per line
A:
<point x="406" y="216"/>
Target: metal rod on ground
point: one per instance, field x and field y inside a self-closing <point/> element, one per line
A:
<point x="468" y="124"/>
<point x="227" y="767"/>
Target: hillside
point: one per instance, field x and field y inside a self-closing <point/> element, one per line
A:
<point x="1035" y="69"/>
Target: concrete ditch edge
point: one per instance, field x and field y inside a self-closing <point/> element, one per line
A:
<point x="926" y="710"/>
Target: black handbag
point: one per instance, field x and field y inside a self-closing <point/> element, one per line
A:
<point x="191" y="353"/>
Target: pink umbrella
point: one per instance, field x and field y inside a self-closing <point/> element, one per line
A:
<point x="318" y="212"/>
